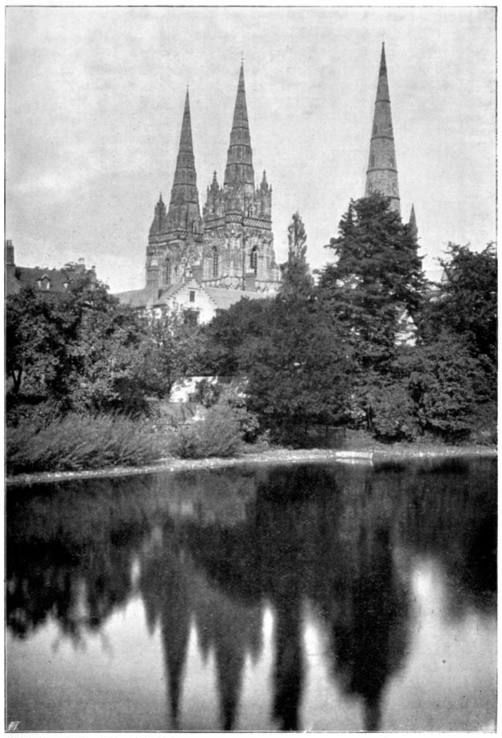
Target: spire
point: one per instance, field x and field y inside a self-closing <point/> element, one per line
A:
<point x="184" y="203"/>
<point x="239" y="171"/>
<point x="412" y="223"/>
<point x="382" y="168"/>
<point x="159" y="217"/>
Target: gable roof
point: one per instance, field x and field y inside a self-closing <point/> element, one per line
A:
<point x="20" y="277"/>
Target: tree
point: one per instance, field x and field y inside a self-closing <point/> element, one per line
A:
<point x="440" y="380"/>
<point x="83" y="350"/>
<point x="377" y="277"/>
<point x="223" y="339"/>
<point x="296" y="277"/>
<point x="32" y="344"/>
<point x="299" y="370"/>
<point x="466" y="300"/>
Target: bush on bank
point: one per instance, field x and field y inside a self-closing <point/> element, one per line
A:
<point x="41" y="440"/>
<point x="76" y="442"/>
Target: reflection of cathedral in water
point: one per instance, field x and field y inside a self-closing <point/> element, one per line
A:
<point x="301" y="547"/>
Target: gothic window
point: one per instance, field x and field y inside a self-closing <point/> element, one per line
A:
<point x="192" y="296"/>
<point x="253" y="259"/>
<point x="216" y="261"/>
<point x="167" y="271"/>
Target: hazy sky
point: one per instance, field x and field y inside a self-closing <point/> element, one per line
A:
<point x="94" y="101"/>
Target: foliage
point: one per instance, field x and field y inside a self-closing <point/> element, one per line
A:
<point x="466" y="301"/>
<point x="87" y="352"/>
<point x="298" y="369"/>
<point x="384" y="407"/>
<point x="440" y="380"/>
<point x="217" y="433"/>
<point x="376" y="277"/>
<point x="296" y="277"/>
<point x="225" y="337"/>
<point x="76" y="442"/>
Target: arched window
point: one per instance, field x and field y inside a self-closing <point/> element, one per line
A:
<point x="167" y="271"/>
<point x="253" y="259"/>
<point x="216" y="261"/>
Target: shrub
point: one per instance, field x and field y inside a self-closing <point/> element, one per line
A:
<point x="216" y="434"/>
<point x="78" y="442"/>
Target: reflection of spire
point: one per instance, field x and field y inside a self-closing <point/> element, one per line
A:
<point x="372" y="713"/>
<point x="229" y="663"/>
<point x="369" y="628"/>
<point x="288" y="672"/>
<point x="175" y="618"/>
<point x="164" y="588"/>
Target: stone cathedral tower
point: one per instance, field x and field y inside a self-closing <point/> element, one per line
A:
<point x="238" y="240"/>
<point x="231" y="246"/>
<point x="382" y="168"/>
<point x="176" y="235"/>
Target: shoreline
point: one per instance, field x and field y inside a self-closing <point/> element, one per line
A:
<point x="368" y="456"/>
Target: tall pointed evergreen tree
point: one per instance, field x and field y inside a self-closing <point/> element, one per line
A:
<point x="296" y="277"/>
<point x="376" y="278"/>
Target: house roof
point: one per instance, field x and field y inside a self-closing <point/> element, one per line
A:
<point x="34" y="277"/>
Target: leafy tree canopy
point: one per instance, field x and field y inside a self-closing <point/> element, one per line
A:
<point x="466" y="300"/>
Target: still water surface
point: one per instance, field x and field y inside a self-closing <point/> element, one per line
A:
<point x="307" y="598"/>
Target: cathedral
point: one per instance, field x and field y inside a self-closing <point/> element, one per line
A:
<point x="213" y="259"/>
<point x="204" y="263"/>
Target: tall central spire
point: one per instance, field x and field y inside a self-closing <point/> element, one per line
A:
<point x="184" y="203"/>
<point x="382" y="168"/>
<point x="239" y="171"/>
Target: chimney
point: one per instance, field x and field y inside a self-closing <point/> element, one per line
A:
<point x="9" y="253"/>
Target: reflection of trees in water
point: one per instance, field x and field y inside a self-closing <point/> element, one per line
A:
<point x="68" y="558"/>
<point x="210" y="559"/>
<point x="452" y="515"/>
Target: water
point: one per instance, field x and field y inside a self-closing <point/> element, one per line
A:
<point x="308" y="598"/>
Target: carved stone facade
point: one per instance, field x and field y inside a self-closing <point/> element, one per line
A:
<point x="232" y="245"/>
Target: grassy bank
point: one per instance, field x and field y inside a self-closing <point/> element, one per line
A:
<point x="107" y="445"/>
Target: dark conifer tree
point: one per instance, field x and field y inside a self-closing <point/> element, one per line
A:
<point x="376" y="279"/>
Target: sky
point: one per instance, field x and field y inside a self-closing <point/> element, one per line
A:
<point x="94" y="102"/>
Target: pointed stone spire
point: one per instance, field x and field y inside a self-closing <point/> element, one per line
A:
<point x="159" y="217"/>
<point x="382" y="168"/>
<point x="412" y="223"/>
<point x="184" y="203"/>
<point x="239" y="173"/>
